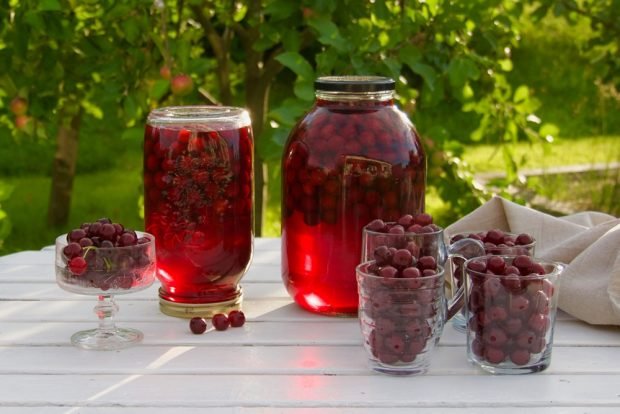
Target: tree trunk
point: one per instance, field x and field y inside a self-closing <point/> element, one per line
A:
<point x="63" y="170"/>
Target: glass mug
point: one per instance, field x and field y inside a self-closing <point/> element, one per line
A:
<point x="510" y="319"/>
<point x="198" y="202"/>
<point x="423" y="244"/>
<point x="515" y="247"/>
<point x="402" y="319"/>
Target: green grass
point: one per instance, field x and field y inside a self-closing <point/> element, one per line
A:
<point x="113" y="193"/>
<point x="575" y="151"/>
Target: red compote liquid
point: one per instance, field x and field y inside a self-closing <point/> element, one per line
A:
<point x="353" y="158"/>
<point x="198" y="181"/>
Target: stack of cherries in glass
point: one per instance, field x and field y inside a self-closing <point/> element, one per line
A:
<point x="399" y="308"/>
<point x="509" y="309"/>
<point x="105" y="255"/>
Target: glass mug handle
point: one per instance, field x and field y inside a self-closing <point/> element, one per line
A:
<point x="463" y="249"/>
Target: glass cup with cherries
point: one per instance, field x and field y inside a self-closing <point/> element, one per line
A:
<point x="495" y="242"/>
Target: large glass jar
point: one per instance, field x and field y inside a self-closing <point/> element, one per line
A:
<point x="354" y="157"/>
<point x="198" y="203"/>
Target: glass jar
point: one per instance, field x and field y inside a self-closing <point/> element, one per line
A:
<point x="198" y="203"/>
<point x="354" y="157"/>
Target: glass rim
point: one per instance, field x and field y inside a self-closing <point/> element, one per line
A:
<point x="557" y="267"/>
<point x="406" y="233"/>
<point x="441" y="270"/>
<point x="467" y="233"/>
<point x="196" y="113"/>
<point x="62" y="241"/>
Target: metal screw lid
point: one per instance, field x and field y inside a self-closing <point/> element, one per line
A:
<point x="354" y="84"/>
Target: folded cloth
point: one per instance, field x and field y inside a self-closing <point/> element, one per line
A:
<point x="588" y="242"/>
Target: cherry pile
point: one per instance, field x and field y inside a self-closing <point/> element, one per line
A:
<point x="509" y="309"/>
<point x="220" y="321"/>
<point x="198" y="205"/>
<point x="356" y="158"/>
<point x="497" y="241"/>
<point x="401" y="302"/>
<point x="106" y="255"/>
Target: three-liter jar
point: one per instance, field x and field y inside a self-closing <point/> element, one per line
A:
<point x="354" y="157"/>
<point x="198" y="203"/>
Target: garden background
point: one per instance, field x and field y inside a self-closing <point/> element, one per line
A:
<point x="518" y="98"/>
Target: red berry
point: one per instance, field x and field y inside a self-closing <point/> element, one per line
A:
<point x="72" y="250"/>
<point x="494" y="355"/>
<point x="77" y="265"/>
<point x="236" y="318"/>
<point x="220" y="322"/>
<point x="524" y="239"/>
<point x="198" y="325"/>
<point x="520" y="356"/>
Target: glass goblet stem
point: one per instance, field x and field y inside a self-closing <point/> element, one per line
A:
<point x="105" y="310"/>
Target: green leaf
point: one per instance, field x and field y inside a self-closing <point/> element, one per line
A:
<point x="412" y="57"/>
<point x="159" y="89"/>
<point x="460" y="70"/>
<point x="130" y="107"/>
<point x="505" y="64"/>
<point x="549" y="130"/>
<point x="280" y="9"/>
<point x="329" y="33"/>
<point x="521" y="94"/>
<point x="427" y="72"/>
<point x="5" y="190"/>
<point x="304" y="89"/>
<point x="240" y="12"/>
<point x="133" y="134"/>
<point x="92" y="109"/>
<point x="49" y="5"/>
<point x="297" y="63"/>
<point x="289" y="112"/>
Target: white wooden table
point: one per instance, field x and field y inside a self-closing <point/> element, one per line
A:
<point x="283" y="360"/>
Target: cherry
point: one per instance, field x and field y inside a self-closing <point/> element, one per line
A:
<point x="198" y="325"/>
<point x="520" y="356"/>
<point x="411" y="272"/>
<point x="494" y="355"/>
<point x="220" y="322"/>
<point x="72" y="250"/>
<point x="402" y="258"/>
<point x="236" y="318"/>
<point x="388" y="272"/>
<point x="77" y="265"/>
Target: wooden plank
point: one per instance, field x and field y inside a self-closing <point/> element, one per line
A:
<point x="272" y="360"/>
<point x="169" y="409"/>
<point x="50" y="291"/>
<point x="31" y="273"/>
<point x="339" y="332"/>
<point x="193" y="391"/>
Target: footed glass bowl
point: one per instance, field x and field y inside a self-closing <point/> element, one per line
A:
<point x="105" y="272"/>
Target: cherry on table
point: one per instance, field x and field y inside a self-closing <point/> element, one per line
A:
<point x="236" y="318"/>
<point x="220" y="322"/>
<point x="198" y="325"/>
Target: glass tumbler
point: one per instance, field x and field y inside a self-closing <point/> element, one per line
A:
<point x="401" y="319"/>
<point x="198" y="202"/>
<point x="510" y="318"/>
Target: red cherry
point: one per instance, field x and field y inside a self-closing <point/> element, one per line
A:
<point x="220" y="322"/>
<point x="198" y="325"/>
<point x="236" y="318"/>
<point x="520" y="356"/>
<point x="181" y="85"/>
<point x="494" y="355"/>
<point x="18" y="106"/>
<point x="77" y="265"/>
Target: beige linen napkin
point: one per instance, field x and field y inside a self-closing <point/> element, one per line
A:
<point x="588" y="242"/>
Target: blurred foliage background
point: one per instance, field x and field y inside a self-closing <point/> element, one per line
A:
<point x="497" y="88"/>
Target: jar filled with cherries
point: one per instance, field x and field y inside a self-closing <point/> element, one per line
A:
<point x="353" y="158"/>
